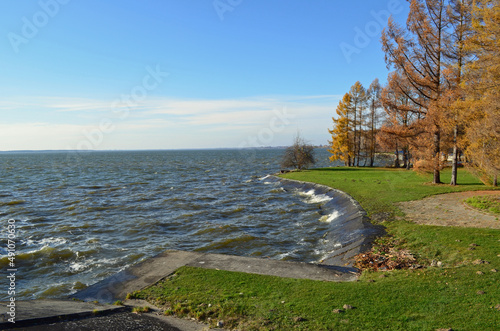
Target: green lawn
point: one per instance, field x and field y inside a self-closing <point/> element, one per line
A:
<point x="377" y="189"/>
<point x="485" y="203"/>
<point x="462" y="294"/>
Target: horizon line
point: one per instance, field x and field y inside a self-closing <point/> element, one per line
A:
<point x="144" y="150"/>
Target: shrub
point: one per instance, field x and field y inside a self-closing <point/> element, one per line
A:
<point x="299" y="156"/>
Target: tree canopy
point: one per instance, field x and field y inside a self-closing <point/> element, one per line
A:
<point x="442" y="93"/>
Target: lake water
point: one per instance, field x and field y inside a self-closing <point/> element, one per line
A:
<point x="81" y="217"/>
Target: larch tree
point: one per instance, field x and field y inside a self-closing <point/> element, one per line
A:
<point x="373" y="96"/>
<point x="341" y="145"/>
<point x="358" y="102"/>
<point x="418" y="54"/>
<point x="401" y="128"/>
<point x="459" y="19"/>
<point x="482" y="87"/>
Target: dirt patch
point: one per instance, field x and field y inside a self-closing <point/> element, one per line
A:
<point x="450" y="210"/>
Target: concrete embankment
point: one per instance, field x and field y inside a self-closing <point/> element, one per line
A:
<point x="350" y="231"/>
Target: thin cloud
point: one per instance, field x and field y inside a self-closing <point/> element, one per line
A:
<point x="227" y="120"/>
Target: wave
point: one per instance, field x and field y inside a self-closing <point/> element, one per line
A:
<point x="268" y="179"/>
<point x="51" y="242"/>
<point x="288" y="256"/>
<point x="13" y="203"/>
<point x="330" y="217"/>
<point x="349" y="230"/>
<point x="312" y="197"/>
<point x="228" y="243"/>
<point x="227" y="228"/>
<point x="45" y="256"/>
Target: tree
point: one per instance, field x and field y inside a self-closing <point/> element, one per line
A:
<point x="418" y="55"/>
<point x="299" y="156"/>
<point x="341" y="145"/>
<point x="373" y="96"/>
<point x="482" y="89"/>
<point x="460" y="27"/>
<point x="402" y="128"/>
<point x="358" y="102"/>
<point x="349" y="133"/>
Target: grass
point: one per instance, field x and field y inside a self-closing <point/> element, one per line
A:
<point x="377" y="189"/>
<point x="463" y="294"/>
<point x="485" y="203"/>
<point x="140" y="310"/>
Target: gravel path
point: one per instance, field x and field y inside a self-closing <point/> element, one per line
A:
<point x="450" y="210"/>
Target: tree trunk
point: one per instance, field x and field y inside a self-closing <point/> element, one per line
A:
<point x="355" y="134"/>
<point x="454" y="161"/>
<point x="358" y="148"/>
<point x="495" y="182"/>
<point x="405" y="157"/>
<point x="372" y="139"/>
<point x="396" y="162"/>
<point x="437" y="155"/>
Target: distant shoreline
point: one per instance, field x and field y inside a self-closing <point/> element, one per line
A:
<point x="144" y="150"/>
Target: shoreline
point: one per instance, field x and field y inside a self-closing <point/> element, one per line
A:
<point x="337" y="265"/>
<point x="350" y="232"/>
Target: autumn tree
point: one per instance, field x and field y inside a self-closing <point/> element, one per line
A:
<point x="418" y="54"/>
<point x="482" y="88"/>
<point x="401" y="128"/>
<point x="350" y="137"/>
<point x="459" y="18"/>
<point x="341" y="145"/>
<point x="374" y="104"/>
<point x="358" y="103"/>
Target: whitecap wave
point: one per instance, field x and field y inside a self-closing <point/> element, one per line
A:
<point x="331" y="217"/>
<point x="264" y="178"/>
<point x="77" y="266"/>
<point x="311" y="197"/>
<point x="283" y="256"/>
<point x="50" y="242"/>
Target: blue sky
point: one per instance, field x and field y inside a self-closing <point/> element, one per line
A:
<point x="174" y="74"/>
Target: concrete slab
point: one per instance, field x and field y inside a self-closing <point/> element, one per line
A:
<point x="136" y="277"/>
<point x="277" y="268"/>
<point x="155" y="269"/>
